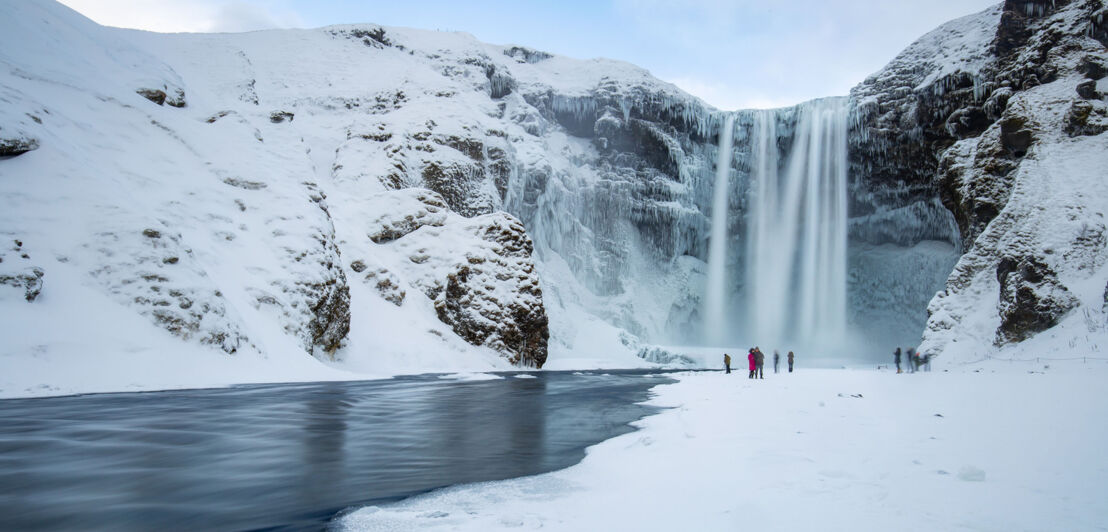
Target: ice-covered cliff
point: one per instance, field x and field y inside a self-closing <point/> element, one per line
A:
<point x="995" y="122"/>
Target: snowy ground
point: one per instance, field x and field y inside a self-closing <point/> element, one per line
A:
<point x="994" y="446"/>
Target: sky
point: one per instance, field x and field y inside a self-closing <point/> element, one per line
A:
<point x="734" y="54"/>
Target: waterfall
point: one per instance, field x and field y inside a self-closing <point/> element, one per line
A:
<point x="715" y="300"/>
<point x="796" y="241"/>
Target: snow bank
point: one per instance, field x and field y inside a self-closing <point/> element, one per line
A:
<point x="981" y="447"/>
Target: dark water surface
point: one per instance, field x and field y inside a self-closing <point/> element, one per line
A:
<point x="292" y="456"/>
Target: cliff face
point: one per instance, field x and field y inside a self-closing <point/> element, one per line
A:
<point x="998" y="117"/>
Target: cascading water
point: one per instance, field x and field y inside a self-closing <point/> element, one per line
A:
<point x="797" y="232"/>
<point x="715" y="300"/>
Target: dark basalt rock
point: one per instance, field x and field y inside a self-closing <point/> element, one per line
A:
<point x="1032" y="299"/>
<point x="458" y="184"/>
<point x="330" y="322"/>
<point x="1083" y="118"/>
<point x="1093" y="67"/>
<point x="967" y="122"/>
<point x="155" y="95"/>
<point x="471" y="305"/>
<point x="372" y="36"/>
<point x="1016" y="136"/>
<point x="1087" y="90"/>
<point x="244" y="184"/>
<point x="280" y="116"/>
<point x="427" y="209"/>
<point x="30" y="281"/>
<point x="526" y="55"/>
<point x="174" y="97"/>
<point x="387" y="285"/>
<point x="10" y="147"/>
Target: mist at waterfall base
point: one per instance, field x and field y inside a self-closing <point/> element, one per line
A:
<point x="785" y="284"/>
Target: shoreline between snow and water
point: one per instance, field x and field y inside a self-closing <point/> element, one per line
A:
<point x="995" y="446"/>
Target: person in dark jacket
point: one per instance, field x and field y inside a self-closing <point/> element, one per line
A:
<point x="790" y="361"/>
<point x="753" y="365"/>
<point x="896" y="358"/>
<point x="727" y="362"/>
<point x="776" y="360"/>
<point x="760" y="360"/>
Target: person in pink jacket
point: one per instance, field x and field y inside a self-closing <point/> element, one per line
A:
<point x="753" y="364"/>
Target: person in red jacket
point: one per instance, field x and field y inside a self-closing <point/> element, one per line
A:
<point x="753" y="363"/>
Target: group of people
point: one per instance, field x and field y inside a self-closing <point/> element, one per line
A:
<point x="915" y="361"/>
<point x="757" y="361"/>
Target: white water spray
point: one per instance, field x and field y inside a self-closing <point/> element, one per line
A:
<point x="715" y="300"/>
<point x="797" y="231"/>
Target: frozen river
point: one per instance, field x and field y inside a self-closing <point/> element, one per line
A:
<point x="293" y="456"/>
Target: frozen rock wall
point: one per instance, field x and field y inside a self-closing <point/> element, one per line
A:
<point x="996" y="116"/>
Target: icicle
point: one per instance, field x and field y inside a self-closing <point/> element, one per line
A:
<point x="625" y="106"/>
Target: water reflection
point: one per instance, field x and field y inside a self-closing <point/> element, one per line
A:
<point x="290" y="456"/>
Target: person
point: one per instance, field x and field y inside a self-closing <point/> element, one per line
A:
<point x="727" y="362"/>
<point x="896" y="358"/>
<point x="913" y="360"/>
<point x="751" y="358"/>
<point x="776" y="359"/>
<point x="790" y="361"/>
<point x="760" y="359"/>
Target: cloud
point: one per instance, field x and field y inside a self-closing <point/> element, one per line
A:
<point x="203" y="16"/>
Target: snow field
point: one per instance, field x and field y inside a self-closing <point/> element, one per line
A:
<point x="983" y="447"/>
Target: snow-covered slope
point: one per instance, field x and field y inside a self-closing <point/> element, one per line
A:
<point x="259" y="194"/>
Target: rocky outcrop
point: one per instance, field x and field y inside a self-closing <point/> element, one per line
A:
<point x="18" y="145"/>
<point x="405" y="211"/>
<point x="387" y="285"/>
<point x="18" y="271"/>
<point x="478" y="273"/>
<point x="329" y="302"/>
<point x="1086" y="118"/>
<point x="172" y="96"/>
<point x="1032" y="299"/>
<point x="494" y="297"/>
<point x="29" y="281"/>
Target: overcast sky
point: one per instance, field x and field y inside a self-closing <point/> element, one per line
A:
<point x="734" y="54"/>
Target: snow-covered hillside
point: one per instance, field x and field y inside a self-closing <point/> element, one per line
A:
<point x="351" y="201"/>
<point x="340" y="192"/>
